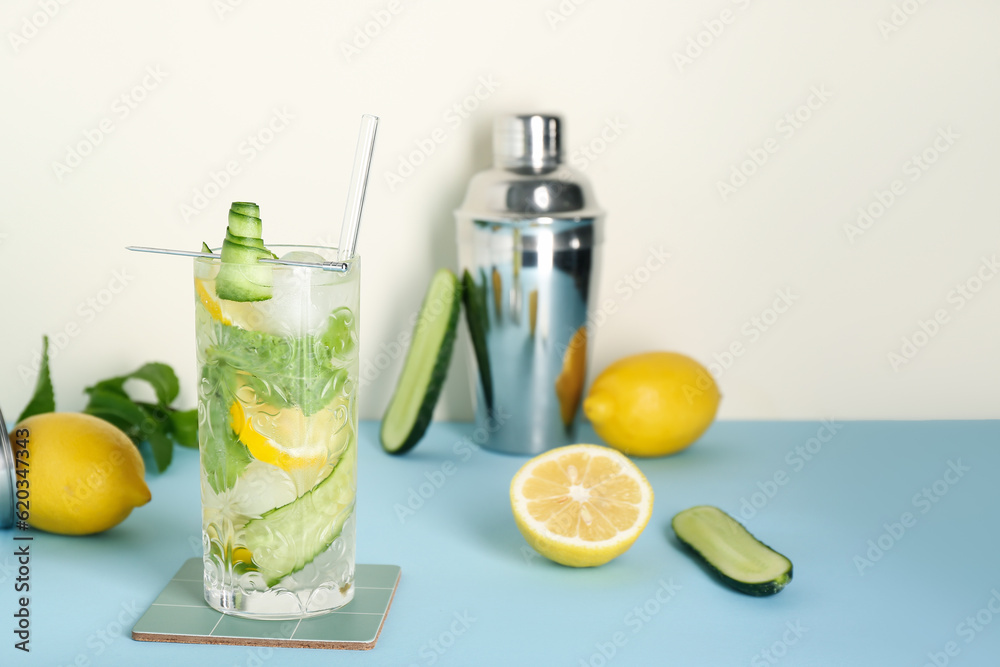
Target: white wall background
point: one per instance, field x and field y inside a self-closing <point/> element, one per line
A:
<point x="895" y="74"/>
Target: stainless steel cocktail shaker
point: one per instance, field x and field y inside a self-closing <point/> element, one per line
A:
<point x="528" y="237"/>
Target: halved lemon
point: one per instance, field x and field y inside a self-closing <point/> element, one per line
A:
<point x="581" y="505"/>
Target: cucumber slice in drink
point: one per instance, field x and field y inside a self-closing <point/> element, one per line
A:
<point x="731" y="553"/>
<point x="426" y="365"/>
<point x="286" y="539"/>
<point x="242" y="277"/>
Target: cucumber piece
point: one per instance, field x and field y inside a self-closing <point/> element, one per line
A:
<point x="287" y="538"/>
<point x="205" y="248"/>
<point x="426" y="366"/>
<point x="248" y="241"/>
<point x="477" y="318"/>
<point x="245" y="208"/>
<point x="730" y="552"/>
<point x="245" y="225"/>
<point x="241" y="277"/>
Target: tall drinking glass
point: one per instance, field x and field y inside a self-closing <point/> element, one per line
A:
<point x="277" y="427"/>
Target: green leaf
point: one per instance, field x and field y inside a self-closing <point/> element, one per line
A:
<point x="160" y="377"/>
<point x="298" y="371"/>
<point x="184" y="427"/>
<point x="163" y="449"/>
<point x="223" y="457"/>
<point x="44" y="398"/>
<point x="341" y="335"/>
<point x="119" y="409"/>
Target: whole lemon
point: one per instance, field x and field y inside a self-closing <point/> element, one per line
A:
<point x="652" y="404"/>
<point x="85" y="475"/>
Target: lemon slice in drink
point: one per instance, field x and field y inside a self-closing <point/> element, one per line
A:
<point x="235" y="313"/>
<point x="581" y="505"/>
<point x="283" y="437"/>
<point x="212" y="303"/>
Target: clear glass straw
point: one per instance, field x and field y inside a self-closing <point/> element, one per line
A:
<point x="356" y="194"/>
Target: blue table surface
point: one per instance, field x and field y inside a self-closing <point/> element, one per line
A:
<point x="887" y="524"/>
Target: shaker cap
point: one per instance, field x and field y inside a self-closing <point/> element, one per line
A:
<point x="6" y="478"/>
<point x="530" y="142"/>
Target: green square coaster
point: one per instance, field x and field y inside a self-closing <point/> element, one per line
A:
<point x="181" y="615"/>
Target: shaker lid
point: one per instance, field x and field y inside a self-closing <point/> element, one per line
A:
<point x="6" y="478"/>
<point x="532" y="142"/>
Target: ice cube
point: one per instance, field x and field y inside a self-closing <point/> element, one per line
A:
<point x="292" y="310"/>
<point x="303" y="256"/>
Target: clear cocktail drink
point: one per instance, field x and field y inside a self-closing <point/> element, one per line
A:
<point x="277" y="418"/>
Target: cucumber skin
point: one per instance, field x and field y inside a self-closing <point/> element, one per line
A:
<point x="239" y="263"/>
<point x="245" y="225"/>
<point x="245" y="208"/>
<point x="436" y="382"/>
<point x="762" y="589"/>
<point x="477" y="318"/>
<point x="240" y="277"/>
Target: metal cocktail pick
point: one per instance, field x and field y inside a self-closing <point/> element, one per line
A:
<point x="352" y="214"/>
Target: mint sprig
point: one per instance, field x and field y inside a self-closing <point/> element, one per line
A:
<point x="155" y="423"/>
